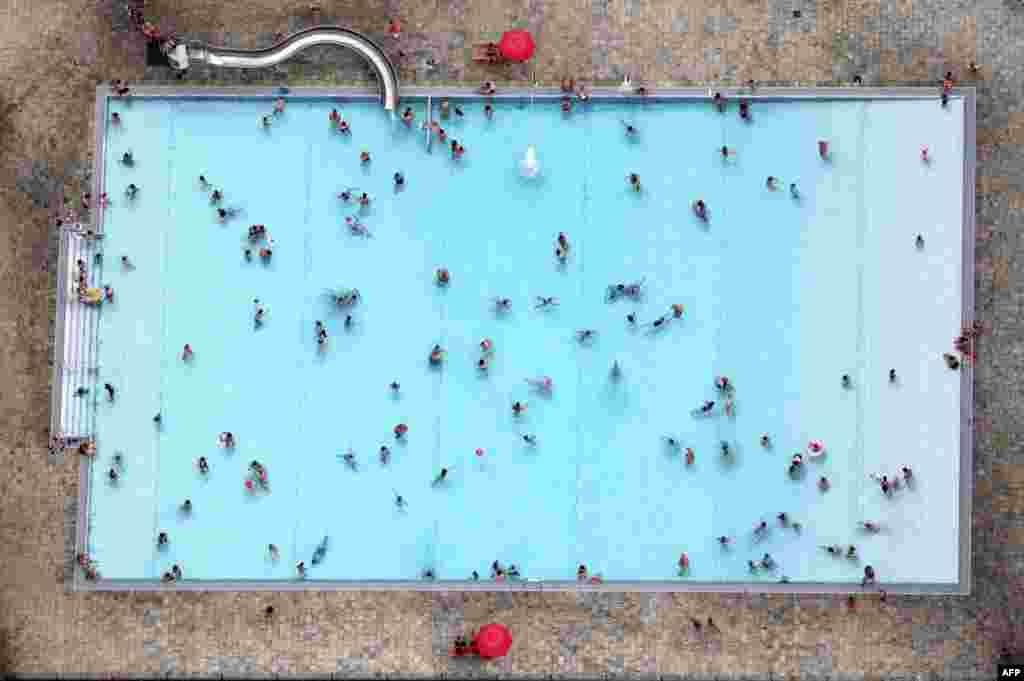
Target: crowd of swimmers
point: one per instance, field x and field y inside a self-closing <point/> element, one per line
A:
<point x="257" y="478"/>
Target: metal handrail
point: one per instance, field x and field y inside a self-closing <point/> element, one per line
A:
<point x="291" y="45"/>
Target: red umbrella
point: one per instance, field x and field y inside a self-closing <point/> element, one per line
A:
<point x="493" y="640"/>
<point x="516" y="45"/>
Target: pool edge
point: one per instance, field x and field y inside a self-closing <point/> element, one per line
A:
<point x="961" y="587"/>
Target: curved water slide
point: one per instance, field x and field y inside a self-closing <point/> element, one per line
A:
<point x="229" y="57"/>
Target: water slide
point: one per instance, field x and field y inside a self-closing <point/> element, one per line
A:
<point x="229" y="57"/>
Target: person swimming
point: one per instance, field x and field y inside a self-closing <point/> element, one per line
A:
<point x="518" y="408"/>
<point x="128" y="159"/>
<point x="541" y="383"/>
<point x="704" y="409"/>
<point x="132" y="191"/>
<point x="502" y="304"/>
<point x="700" y="209"/>
<point x="436" y="354"/>
<point x="634" y="181"/>
<point x="545" y="302"/>
<point x="399" y="179"/>
<point x="204" y="465"/>
<point x="585" y="335"/>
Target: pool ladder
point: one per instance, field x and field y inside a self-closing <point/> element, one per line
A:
<point x="430" y="138"/>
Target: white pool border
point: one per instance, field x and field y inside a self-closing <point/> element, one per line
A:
<point x="703" y="94"/>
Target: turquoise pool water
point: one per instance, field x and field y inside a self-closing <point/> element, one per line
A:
<point x="781" y="295"/>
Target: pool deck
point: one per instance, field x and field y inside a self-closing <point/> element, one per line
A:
<point x="47" y="125"/>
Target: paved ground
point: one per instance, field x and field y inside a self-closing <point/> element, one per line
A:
<point x="53" y="52"/>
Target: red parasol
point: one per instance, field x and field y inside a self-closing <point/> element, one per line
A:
<point x="493" y="640"/>
<point x="516" y="45"/>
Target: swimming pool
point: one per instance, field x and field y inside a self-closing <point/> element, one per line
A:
<point x="781" y="295"/>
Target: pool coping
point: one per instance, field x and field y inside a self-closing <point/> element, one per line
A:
<point x="966" y="478"/>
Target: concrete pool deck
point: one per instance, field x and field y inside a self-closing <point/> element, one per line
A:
<point x="84" y="335"/>
<point x="45" y="157"/>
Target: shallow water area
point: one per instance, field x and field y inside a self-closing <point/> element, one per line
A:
<point x="783" y="295"/>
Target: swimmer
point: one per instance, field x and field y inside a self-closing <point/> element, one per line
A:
<point x="128" y="159"/>
<point x="258" y="312"/>
<point x="343" y="127"/>
<point x="279" y="106"/>
<point x="629" y="128"/>
<point x="186" y="352"/>
<point x="545" y="302"/>
<point x="659" y="323"/>
<point x="216" y="195"/>
<point x="300" y="568"/>
<point x="113" y="474"/>
<point x="395" y="386"/>
<point x="364" y="156"/>
<point x="833" y="550"/>
<point x="690" y="456"/>
<point x="442" y="276"/>
<point x="408" y="116"/>
<point x="744" y="110"/>
<point x="671" y="442"/>
<point x="110" y="391"/>
<point x="320" y="552"/>
<point x="115" y="119"/>
<point x="952" y="361"/>
<point x="869" y="576"/>
<point x="677" y="310"/>
<point x="700" y="209"/>
<point x="724" y="447"/>
<point x="563" y="242"/>
<point x="204" y="465"/>
<point x="760" y="527"/>
<point x="399" y="501"/>
<point x="793" y="192"/>
<point x="384" y="455"/>
<point x="225" y="214"/>
<point x="131" y="191"/>
<point x="162" y="539"/>
<point x="334" y="117"/>
<point x="541" y="383"/>
<point x="273" y="552"/>
<point x="566" y="105"/>
<point x="459" y="112"/>
<point x="126" y="263"/>
<point x="502" y="304"/>
<point x="870" y="526"/>
<point x="357" y="228"/>
<point x="851" y="552"/>
<point x="186" y="506"/>
<point x="530" y="439"/>
<point x="823" y="484"/>
<point x="399" y="179"/>
<point x="581" y="572"/>
<point x="400" y="430"/>
<point x="907" y="473"/>
<point x="892" y="375"/>
<point x="226" y="440"/>
<point x="486" y="345"/>
<point x="724" y="540"/>
<point x="919" y="242"/>
<point x="846" y="381"/>
<point x="265" y="122"/>
<point x="719" y="101"/>
<point x="634" y="181"/>
<point x="783" y="518"/>
<point x="585" y="335"/>
<point x="441" y="477"/>
<point x="457" y="150"/>
<point x="481" y="364"/>
<point x="766" y="441"/>
<point x="924" y="155"/>
<point x="518" y="408"/>
<point x="770" y="182"/>
<point x="631" y="319"/>
<point x="436" y="354"/>
<point x="726" y="152"/>
<point x="704" y="409"/>
<point x="488" y="111"/>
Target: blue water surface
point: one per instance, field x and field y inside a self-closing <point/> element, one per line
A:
<point x="781" y="295"/>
